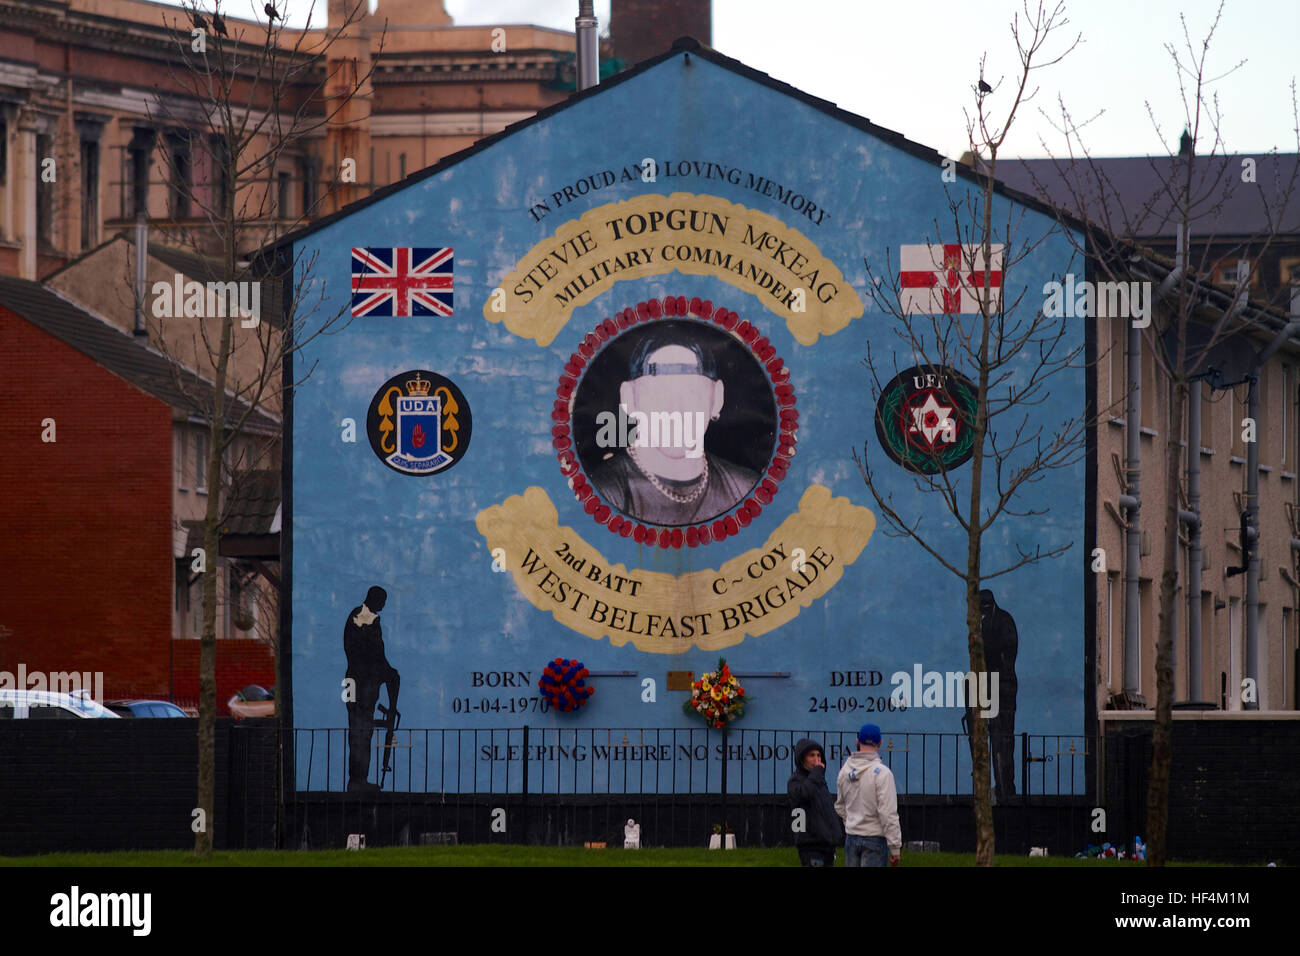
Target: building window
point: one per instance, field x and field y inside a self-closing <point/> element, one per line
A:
<point x="228" y="465"/>
<point x="178" y="148"/>
<point x="282" y="190"/>
<point x="308" y="187"/>
<point x="1110" y="631"/>
<point x="1150" y="403"/>
<point x="1239" y="269"/>
<point x="201" y="462"/>
<point x="1263" y="382"/>
<point x="139" y="161"/>
<point x="182" y="589"/>
<point x="89" y="193"/>
<point x="1234" y="426"/>
<point x="1262" y="697"/>
<point x="44" y="193"/>
<point x="1114" y="389"/>
<point x="1207" y="416"/>
<point x="218" y="156"/>
<point x="196" y="608"/>
<point x="180" y="459"/>
<point x="1235" y="653"/>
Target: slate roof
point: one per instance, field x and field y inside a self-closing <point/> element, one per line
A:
<point x="210" y="269"/>
<point x="194" y="266"/>
<point x="1223" y="205"/>
<point x="124" y="355"/>
<point x="251" y="509"/>
<point x="254" y="502"/>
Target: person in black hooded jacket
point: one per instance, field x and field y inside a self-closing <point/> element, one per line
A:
<point x="822" y="830"/>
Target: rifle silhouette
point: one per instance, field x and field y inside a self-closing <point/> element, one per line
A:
<point x="392" y="719"/>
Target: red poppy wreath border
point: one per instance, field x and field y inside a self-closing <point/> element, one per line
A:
<point x="676" y="307"/>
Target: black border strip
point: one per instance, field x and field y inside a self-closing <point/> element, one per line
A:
<point x="286" y="271"/>
<point x="1090" y="520"/>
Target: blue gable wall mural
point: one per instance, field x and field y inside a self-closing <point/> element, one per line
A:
<point x="606" y="376"/>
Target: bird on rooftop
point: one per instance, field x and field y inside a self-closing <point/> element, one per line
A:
<point x="270" y="12"/>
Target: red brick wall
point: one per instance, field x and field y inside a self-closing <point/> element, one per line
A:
<point x="239" y="663"/>
<point x="85" y="553"/>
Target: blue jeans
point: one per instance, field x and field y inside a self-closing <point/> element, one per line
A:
<point x="866" y="851"/>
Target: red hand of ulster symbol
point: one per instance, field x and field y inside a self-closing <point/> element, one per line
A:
<point x="417" y="437"/>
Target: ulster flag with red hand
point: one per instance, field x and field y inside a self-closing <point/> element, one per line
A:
<point x="946" y="279"/>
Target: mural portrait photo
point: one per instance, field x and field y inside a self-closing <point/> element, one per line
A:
<point x="674" y="423"/>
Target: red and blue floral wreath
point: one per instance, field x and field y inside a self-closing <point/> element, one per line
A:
<point x="563" y="685"/>
<point x="778" y="374"/>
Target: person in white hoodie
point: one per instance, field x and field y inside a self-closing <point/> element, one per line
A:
<point x="867" y="801"/>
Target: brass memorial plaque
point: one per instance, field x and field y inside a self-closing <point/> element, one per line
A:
<point x="680" y="680"/>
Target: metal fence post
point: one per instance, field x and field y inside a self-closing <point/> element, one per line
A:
<point x="525" y="785"/>
<point x="1024" y="764"/>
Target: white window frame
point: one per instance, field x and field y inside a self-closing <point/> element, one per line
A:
<point x="196" y="607"/>
<point x="180" y="445"/>
<point x="201" y="461"/>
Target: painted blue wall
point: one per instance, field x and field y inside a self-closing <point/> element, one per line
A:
<point x="356" y="523"/>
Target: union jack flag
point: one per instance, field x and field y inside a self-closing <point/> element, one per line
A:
<point x="401" y="281"/>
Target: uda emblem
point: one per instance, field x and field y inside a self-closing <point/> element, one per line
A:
<point x="419" y="423"/>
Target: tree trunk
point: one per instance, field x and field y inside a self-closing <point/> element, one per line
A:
<point x="208" y="651"/>
<point x="979" y="734"/>
<point x="975" y="634"/>
<point x="1162" y="733"/>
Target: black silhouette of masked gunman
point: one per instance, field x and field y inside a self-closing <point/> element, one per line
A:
<point x="1001" y="642"/>
<point x="363" y="643"/>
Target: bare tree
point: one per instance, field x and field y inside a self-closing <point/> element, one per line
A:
<point x="1194" y="318"/>
<point x="246" y="96"/>
<point x="1011" y="351"/>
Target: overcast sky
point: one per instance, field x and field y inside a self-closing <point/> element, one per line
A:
<point x="910" y="66"/>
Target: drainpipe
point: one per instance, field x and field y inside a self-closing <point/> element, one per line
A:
<point x="141" y="258"/>
<point x="1192" y="518"/>
<point x="588" y="48"/>
<point x="1132" y="502"/>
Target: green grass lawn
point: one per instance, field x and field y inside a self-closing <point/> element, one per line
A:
<point x="507" y="855"/>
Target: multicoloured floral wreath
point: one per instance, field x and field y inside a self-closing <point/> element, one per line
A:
<point x="563" y="686"/>
<point x="717" y="697"/>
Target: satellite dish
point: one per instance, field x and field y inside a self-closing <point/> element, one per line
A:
<point x="1232" y="356"/>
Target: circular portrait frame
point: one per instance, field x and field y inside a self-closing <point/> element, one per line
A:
<point x="608" y="346"/>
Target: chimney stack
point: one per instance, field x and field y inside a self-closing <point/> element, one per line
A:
<point x="640" y="29"/>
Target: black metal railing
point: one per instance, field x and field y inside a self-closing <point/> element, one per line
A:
<point x="619" y="760"/>
<point x="564" y="785"/>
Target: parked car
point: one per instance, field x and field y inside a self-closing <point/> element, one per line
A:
<point x="46" y="705"/>
<point x="253" y="701"/>
<point x="145" y="708"/>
